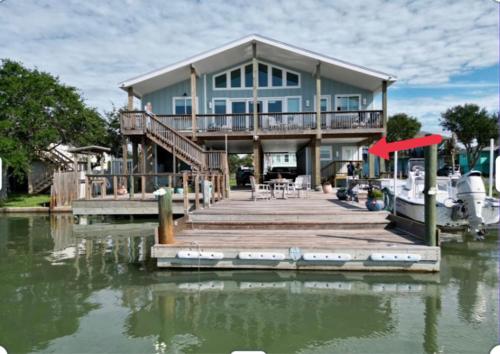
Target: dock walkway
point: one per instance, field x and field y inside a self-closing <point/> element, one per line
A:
<point x="318" y="232"/>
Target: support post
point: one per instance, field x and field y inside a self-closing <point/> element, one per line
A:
<point x="430" y="154"/>
<point x="130" y="102"/>
<point x="166" y="220"/>
<point x="125" y="156"/>
<point x="395" y="182"/>
<point x="254" y="88"/>
<point x="382" y="162"/>
<point x="185" y="189"/>
<point x="206" y="193"/>
<point x="318" y="101"/>
<point x="256" y="160"/>
<point x="316" y="164"/>
<point x="115" y="191"/>
<point x="197" y="192"/>
<point x="371" y="165"/>
<point x="492" y="158"/>
<point x="194" y="102"/>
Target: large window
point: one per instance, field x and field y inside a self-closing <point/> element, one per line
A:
<point x="268" y="76"/>
<point x="292" y="79"/>
<point x="277" y="77"/>
<point x="182" y="105"/>
<point x="248" y="76"/>
<point x="220" y="106"/>
<point x="236" y="78"/>
<point x="263" y="75"/>
<point x="293" y="104"/>
<point x="275" y="106"/>
<point x="221" y="81"/>
<point x="347" y="102"/>
<point x="325" y="153"/>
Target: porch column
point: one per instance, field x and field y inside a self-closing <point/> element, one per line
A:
<point x="318" y="101"/>
<point x="254" y="88"/>
<point x="371" y="164"/>
<point x="130" y="103"/>
<point x="194" y="103"/>
<point x="316" y="164"/>
<point x="257" y="160"/>
<point x="135" y="157"/>
<point x="125" y="156"/>
<point x="384" y="121"/>
<point x="125" y="141"/>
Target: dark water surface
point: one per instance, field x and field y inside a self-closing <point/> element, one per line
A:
<point x="61" y="292"/>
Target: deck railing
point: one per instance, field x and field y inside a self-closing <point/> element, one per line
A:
<point x="282" y="121"/>
<point x="138" y="122"/>
<point x="139" y="186"/>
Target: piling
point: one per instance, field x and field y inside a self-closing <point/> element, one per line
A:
<point x="430" y="154"/>
<point x="166" y="218"/>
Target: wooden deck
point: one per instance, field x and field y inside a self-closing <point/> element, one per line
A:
<point x="124" y="205"/>
<point x="292" y="229"/>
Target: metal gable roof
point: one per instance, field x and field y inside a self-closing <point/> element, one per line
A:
<point x="240" y="50"/>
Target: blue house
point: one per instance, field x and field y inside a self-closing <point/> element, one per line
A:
<point x="258" y="96"/>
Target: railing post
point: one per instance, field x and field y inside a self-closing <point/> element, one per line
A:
<point x="87" y="189"/>
<point x="115" y="191"/>
<point x="143" y="187"/>
<point x="131" y="186"/>
<point x="197" y="192"/>
<point x="185" y="189"/>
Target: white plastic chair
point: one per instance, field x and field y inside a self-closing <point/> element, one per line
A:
<point x="259" y="191"/>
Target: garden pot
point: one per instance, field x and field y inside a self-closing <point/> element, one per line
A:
<point x="179" y="190"/>
<point x="342" y="194"/>
<point x="374" y="204"/>
<point x="327" y="188"/>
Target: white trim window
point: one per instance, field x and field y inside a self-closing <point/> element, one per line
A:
<point x="350" y="102"/>
<point x="325" y="103"/>
<point x="269" y="76"/>
<point x="325" y="153"/>
<point x="182" y="105"/>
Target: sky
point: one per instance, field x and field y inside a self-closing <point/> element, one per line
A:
<point x="443" y="52"/>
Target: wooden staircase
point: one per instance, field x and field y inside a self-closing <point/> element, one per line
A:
<point x="140" y="123"/>
<point x="56" y="161"/>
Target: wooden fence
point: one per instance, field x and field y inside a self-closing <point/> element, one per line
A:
<point x="65" y="188"/>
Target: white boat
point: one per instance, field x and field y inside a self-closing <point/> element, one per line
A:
<point x="461" y="201"/>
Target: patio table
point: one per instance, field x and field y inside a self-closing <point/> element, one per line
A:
<point x="279" y="184"/>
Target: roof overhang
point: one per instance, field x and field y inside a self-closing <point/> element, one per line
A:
<point x="267" y="49"/>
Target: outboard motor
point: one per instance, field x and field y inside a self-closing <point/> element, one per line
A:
<point x="471" y="191"/>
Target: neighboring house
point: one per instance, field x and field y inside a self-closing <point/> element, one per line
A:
<point x="483" y="162"/>
<point x="287" y="159"/>
<point x="283" y="82"/>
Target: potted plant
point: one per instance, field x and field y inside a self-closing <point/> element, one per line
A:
<point x="327" y="187"/>
<point x="374" y="200"/>
<point x="342" y="194"/>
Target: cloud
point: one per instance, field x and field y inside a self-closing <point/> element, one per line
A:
<point x="94" y="45"/>
<point x="429" y="109"/>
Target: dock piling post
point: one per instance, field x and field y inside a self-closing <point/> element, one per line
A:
<point x="430" y="154"/>
<point x="186" y="195"/>
<point x="166" y="220"/>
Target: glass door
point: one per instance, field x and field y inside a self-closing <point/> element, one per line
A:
<point x="238" y="110"/>
<point x="250" y="110"/>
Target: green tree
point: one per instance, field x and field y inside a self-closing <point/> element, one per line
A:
<point x="473" y="127"/>
<point x="37" y="112"/>
<point x="114" y="138"/>
<point x="402" y="126"/>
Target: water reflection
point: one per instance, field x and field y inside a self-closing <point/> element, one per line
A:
<point x="56" y="280"/>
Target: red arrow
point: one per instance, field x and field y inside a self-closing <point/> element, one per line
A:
<point x="382" y="148"/>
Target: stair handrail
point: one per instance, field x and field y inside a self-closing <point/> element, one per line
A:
<point x="145" y="122"/>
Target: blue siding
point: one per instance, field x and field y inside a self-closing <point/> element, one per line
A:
<point x="162" y="99"/>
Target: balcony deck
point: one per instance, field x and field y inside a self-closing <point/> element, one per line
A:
<point x="269" y="124"/>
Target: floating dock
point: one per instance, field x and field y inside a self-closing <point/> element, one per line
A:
<point x="314" y="233"/>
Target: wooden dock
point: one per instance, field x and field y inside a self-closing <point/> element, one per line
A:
<point x="318" y="232"/>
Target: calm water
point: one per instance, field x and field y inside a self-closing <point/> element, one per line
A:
<point x="61" y="292"/>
